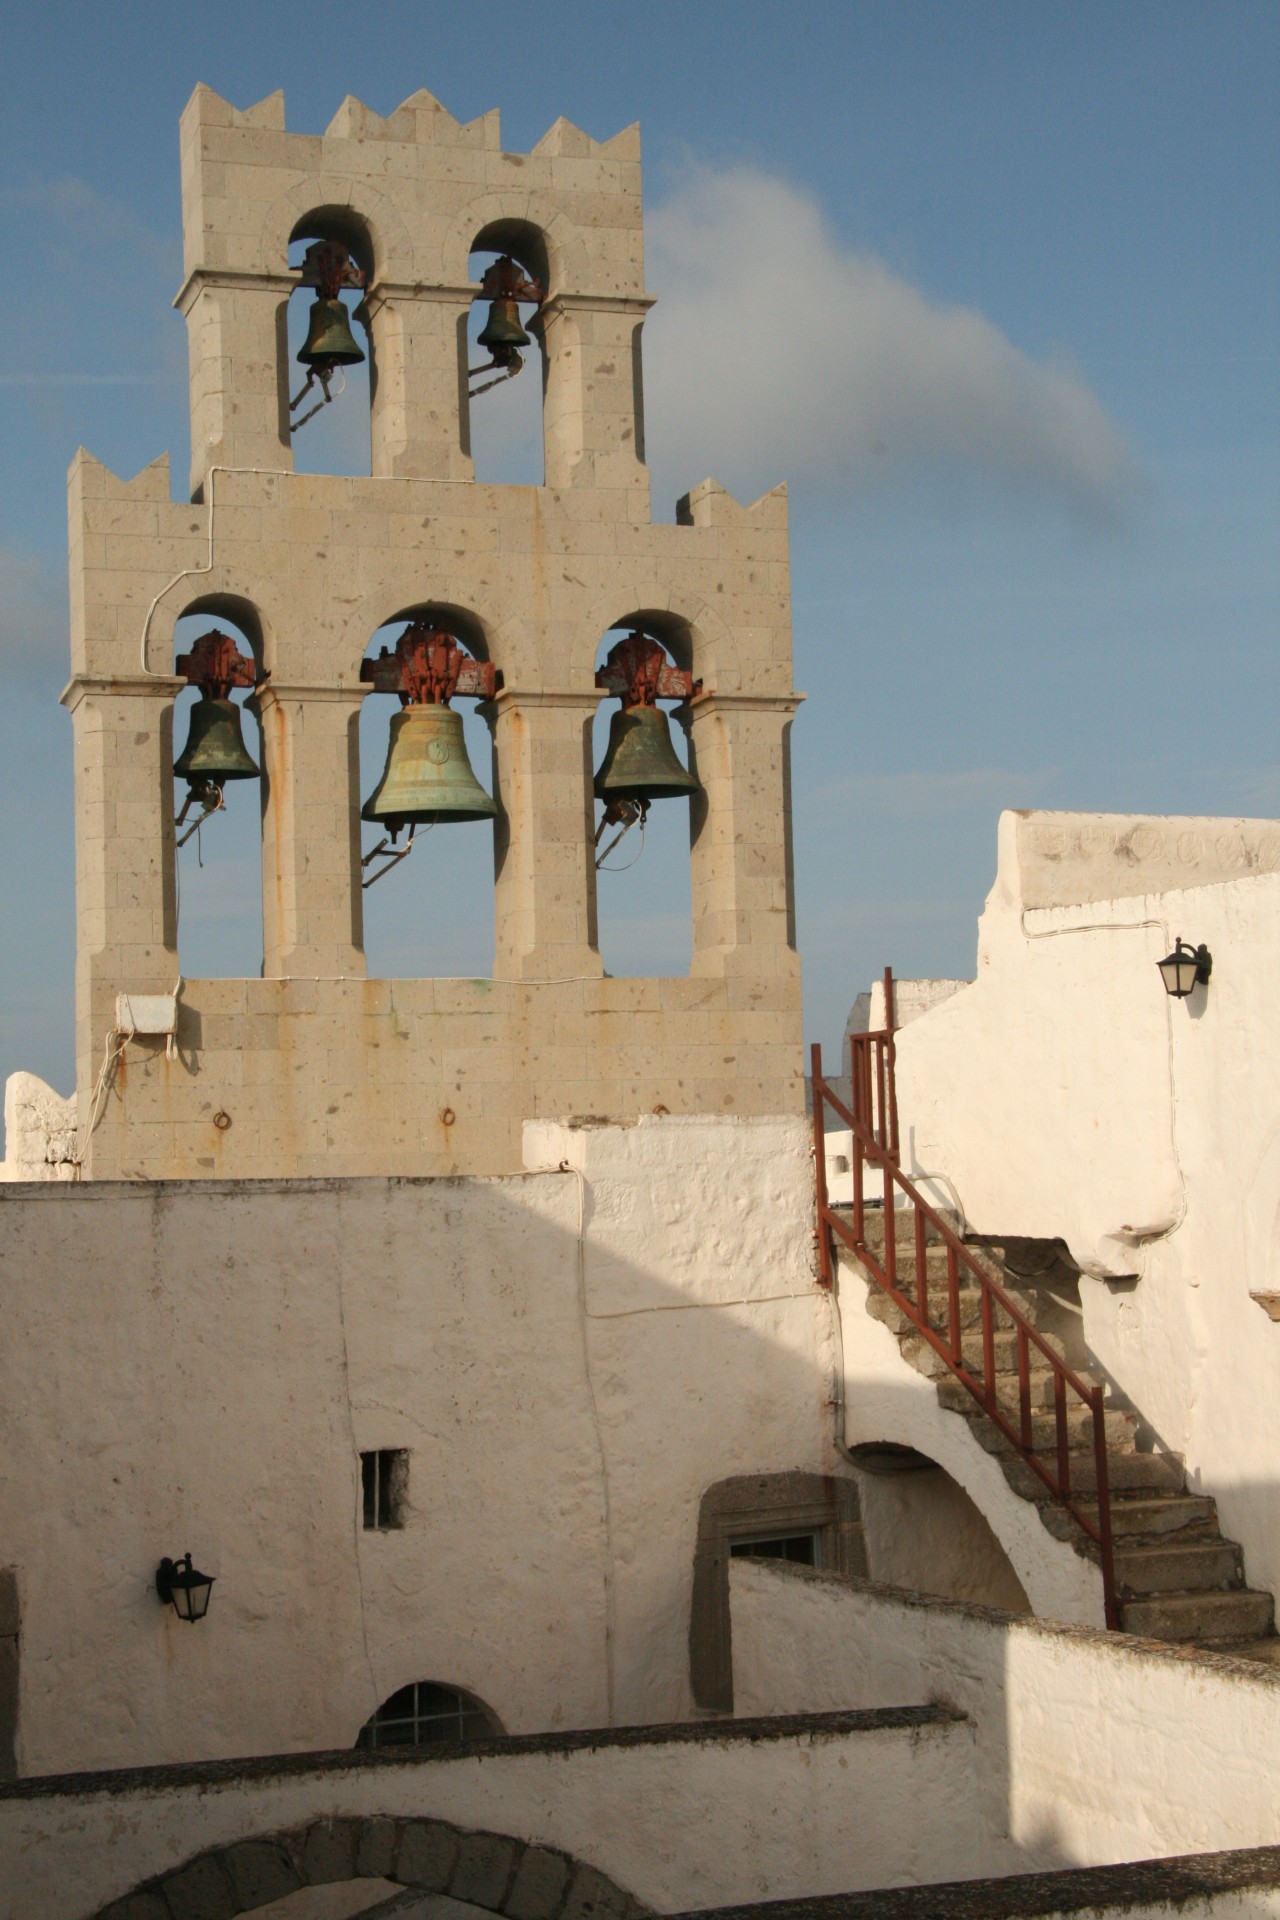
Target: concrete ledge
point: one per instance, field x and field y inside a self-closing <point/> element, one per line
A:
<point x="272" y="1766"/>
<point x="1136" y="1888"/>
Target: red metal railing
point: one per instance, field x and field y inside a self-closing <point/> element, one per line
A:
<point x="873" y="1123"/>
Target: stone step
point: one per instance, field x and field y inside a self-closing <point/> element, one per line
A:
<point x="1181" y="1515"/>
<point x="926" y="1359"/>
<point x="1197" y="1566"/>
<point x="1119" y="1427"/>
<point x="1126" y="1473"/>
<point x="881" y="1307"/>
<point x="1239" y="1615"/>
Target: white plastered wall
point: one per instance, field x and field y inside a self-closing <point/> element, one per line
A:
<point x="199" y="1365"/>
<point x="1064" y="1094"/>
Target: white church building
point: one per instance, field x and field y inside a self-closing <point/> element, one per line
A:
<point x="537" y="1445"/>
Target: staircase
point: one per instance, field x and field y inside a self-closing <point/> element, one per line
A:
<point x="1176" y="1577"/>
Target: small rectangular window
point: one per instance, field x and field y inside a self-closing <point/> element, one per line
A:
<point x="800" y="1547"/>
<point x="384" y="1479"/>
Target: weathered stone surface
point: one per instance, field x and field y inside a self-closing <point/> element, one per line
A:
<point x="538" y="1888"/>
<point x="329" y="1851"/>
<point x="259" y="1871"/>
<point x="137" y="1906"/>
<point x="200" y="1891"/>
<point x="594" y="1897"/>
<point x="426" y="1855"/>
<point x="483" y="1870"/>
<point x="376" y="1849"/>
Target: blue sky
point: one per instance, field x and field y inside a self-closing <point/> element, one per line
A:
<point x="992" y="285"/>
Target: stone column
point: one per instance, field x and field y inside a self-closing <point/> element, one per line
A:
<point x="420" y="422"/>
<point x="742" y="881"/>
<point x="593" y="413"/>
<point x="545" y="881"/>
<point x="312" y="915"/>
<point x="237" y="336"/>
<point x="126" y="919"/>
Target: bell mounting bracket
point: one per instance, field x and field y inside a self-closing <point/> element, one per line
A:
<point x="329" y="267"/>
<point x="427" y="667"/>
<point x="215" y="664"/>
<point x="639" y="672"/>
<point x="504" y="280"/>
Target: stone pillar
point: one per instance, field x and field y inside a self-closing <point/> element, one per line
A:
<point x="418" y="382"/>
<point x="237" y="336"/>
<point x="545" y="882"/>
<point x="126" y="918"/>
<point x="742" y="881"/>
<point x="312" y="917"/>
<point x="593" y="413"/>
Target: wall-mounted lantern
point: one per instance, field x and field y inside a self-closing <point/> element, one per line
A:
<point x="1186" y="967"/>
<point x="184" y="1587"/>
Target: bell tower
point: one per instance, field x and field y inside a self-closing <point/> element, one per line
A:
<point x="313" y="1068"/>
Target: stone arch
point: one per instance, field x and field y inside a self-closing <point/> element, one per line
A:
<point x="488" y="633"/>
<point x="355" y="201"/>
<point x="697" y="637"/>
<point x="568" y="259"/>
<point x="492" y="1871"/>
<point x="220" y="594"/>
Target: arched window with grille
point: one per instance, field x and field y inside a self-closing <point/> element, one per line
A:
<point x="428" y="1714"/>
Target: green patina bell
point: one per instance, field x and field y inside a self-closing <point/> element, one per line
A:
<point x="427" y="779"/>
<point x="215" y="749"/>
<point x="503" y="328"/>
<point x="329" y="340"/>
<point x="640" y="762"/>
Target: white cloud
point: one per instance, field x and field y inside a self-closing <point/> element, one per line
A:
<point x="776" y="353"/>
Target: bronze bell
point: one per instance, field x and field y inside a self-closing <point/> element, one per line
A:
<point x="640" y="762"/>
<point x="503" y="328"/>
<point x="428" y="777"/>
<point x="329" y="337"/>
<point x="215" y="749"/>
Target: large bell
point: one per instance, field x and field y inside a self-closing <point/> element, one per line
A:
<point x="215" y="749"/>
<point x="329" y="337"/>
<point x="640" y="762"/>
<point x="502" y="328"/>
<point x="428" y="777"/>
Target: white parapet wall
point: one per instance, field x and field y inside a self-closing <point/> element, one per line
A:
<point x="1090" y="1747"/>
<point x="1065" y="1094"/>
<point x="39" y="1131"/>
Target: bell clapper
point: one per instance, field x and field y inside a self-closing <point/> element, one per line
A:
<point x="394" y="854"/>
<point x="211" y="800"/>
<point x="324" y="375"/>
<point x="513" y="366"/>
<point x="623" y="814"/>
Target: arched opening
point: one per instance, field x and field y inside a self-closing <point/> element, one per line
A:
<point x="923" y="1532"/>
<point x="645" y="785"/>
<point x="426" y="788"/>
<point x="217" y="763"/>
<point x="504" y="355"/>
<point x="428" y="1713"/>
<point x="329" y="392"/>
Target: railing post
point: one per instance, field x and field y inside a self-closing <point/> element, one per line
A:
<point x="891" y="1050"/>
<point x="1104" y="1510"/>
<point x="820" y="1167"/>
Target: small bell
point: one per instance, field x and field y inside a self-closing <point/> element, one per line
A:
<point x="640" y="762"/>
<point x="329" y="341"/>
<point x="503" y="329"/>
<point x="215" y="749"/>
<point x="428" y="778"/>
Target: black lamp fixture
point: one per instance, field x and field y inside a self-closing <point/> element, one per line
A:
<point x="184" y="1587"/>
<point x="1186" y="967"/>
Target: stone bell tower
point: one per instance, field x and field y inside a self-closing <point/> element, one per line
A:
<point x="313" y="1068"/>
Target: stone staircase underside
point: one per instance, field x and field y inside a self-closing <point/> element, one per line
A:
<point x="1177" y="1577"/>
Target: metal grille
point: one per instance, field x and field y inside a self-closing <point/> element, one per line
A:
<point x="426" y="1714"/>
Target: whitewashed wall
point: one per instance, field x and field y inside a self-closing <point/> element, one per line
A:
<point x="1091" y="1747"/>
<point x="1064" y="1093"/>
<point x="200" y="1365"/>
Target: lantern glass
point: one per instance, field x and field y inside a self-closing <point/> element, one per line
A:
<point x="185" y="1588"/>
<point x="1183" y="969"/>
